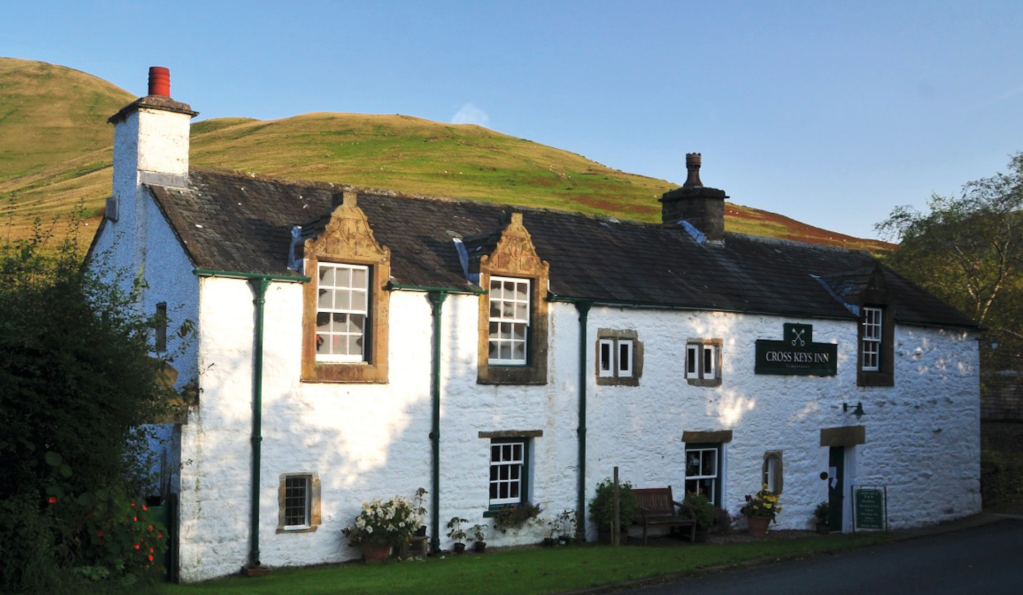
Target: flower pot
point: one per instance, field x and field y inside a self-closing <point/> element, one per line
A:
<point x="564" y="540"/>
<point x="480" y="547"/>
<point x="758" y="526"/>
<point x="374" y="553"/>
<point x="421" y="531"/>
<point x="823" y="528"/>
<point x="459" y="548"/>
<point x="549" y="542"/>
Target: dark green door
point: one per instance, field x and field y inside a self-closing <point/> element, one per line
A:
<point x="836" y="472"/>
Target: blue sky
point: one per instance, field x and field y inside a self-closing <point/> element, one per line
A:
<point x="828" y="112"/>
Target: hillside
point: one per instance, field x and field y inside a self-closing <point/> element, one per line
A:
<point x="55" y="150"/>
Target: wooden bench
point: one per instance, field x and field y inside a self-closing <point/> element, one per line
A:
<point x="657" y="509"/>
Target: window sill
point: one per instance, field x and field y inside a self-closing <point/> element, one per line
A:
<point x="297" y="529"/>
<point x="875" y="378"/>
<point x="703" y="382"/>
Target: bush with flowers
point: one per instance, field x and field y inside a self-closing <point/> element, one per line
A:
<point x="763" y="504"/>
<point x="388" y="523"/>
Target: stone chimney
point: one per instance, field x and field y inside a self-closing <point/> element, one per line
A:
<point x="701" y="207"/>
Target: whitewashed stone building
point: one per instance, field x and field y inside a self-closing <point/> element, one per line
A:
<point x="353" y="344"/>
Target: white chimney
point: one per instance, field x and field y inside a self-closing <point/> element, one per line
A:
<point x="150" y="147"/>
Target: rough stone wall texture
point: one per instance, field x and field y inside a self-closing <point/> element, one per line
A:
<point x="370" y="441"/>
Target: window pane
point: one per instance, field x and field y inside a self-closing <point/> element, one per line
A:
<point x="605" y="356"/>
<point x="495" y="309"/>
<point x="692" y="463"/>
<point x="518" y="331"/>
<point x="322" y="321"/>
<point x="710" y="459"/>
<point x="519" y="352"/>
<point x="342" y="300"/>
<point x="326" y="276"/>
<point x="337" y="344"/>
<point x="355" y="345"/>
<point x="360" y="278"/>
<point x="708" y="361"/>
<point x="691" y="360"/>
<point x="344" y="277"/>
<point x="521" y="312"/>
<point x="324" y="302"/>
<point x="522" y="291"/>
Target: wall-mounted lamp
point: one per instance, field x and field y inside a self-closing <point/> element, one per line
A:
<point x="857" y="410"/>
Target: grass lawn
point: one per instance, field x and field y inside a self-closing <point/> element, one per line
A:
<point x="526" y="570"/>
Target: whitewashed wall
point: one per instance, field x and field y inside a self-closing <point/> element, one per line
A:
<point x="372" y="441"/>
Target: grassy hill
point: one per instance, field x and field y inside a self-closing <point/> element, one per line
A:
<point x="55" y="150"/>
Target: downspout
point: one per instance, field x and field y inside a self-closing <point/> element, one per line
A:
<point x="580" y="514"/>
<point x="437" y="303"/>
<point x="259" y="286"/>
<point x="260" y="283"/>
<point x="437" y="295"/>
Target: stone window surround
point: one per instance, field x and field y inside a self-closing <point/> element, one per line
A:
<point x="604" y="334"/>
<point x="348" y="239"/>
<point x="515" y="257"/>
<point x="716" y="345"/>
<point x="315" y="517"/>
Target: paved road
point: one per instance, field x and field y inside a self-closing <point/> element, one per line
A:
<point x="987" y="560"/>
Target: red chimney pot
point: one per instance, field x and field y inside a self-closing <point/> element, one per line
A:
<point x="159" y="81"/>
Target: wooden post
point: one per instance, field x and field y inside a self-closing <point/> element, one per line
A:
<point x="615" y="525"/>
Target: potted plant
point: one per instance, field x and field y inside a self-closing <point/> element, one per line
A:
<point x="456" y="533"/>
<point x="479" y="537"/>
<point x="382" y="526"/>
<point x="760" y="510"/>
<point x="515" y="516"/>
<point x="698" y="508"/>
<point x="552" y="530"/>
<point x="821" y="518"/>
<point x="602" y="507"/>
<point x="566" y="526"/>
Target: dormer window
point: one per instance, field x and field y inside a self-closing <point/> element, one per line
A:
<point x="509" y="321"/>
<point x="342" y="311"/>
<point x="876" y="350"/>
<point x="871" y="337"/>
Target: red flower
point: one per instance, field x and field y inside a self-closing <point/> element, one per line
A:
<point x="99" y="533"/>
<point x="159" y="535"/>
<point x="150" y="527"/>
<point x="150" y="559"/>
<point x="150" y="550"/>
<point x="133" y="504"/>
<point x="52" y="500"/>
<point x="144" y="507"/>
<point x="135" y="518"/>
<point x="136" y="546"/>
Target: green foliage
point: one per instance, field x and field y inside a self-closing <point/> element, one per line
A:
<point x="456" y="533"/>
<point x="763" y="504"/>
<point x="529" y="570"/>
<point x="968" y="250"/>
<point x="76" y="384"/>
<point x="821" y="513"/>
<point x="391" y="522"/>
<point x="602" y="504"/>
<point x="700" y="509"/>
<point x="1001" y="478"/>
<point x="516" y="515"/>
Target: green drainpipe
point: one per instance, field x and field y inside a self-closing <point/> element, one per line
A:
<point x="259" y="283"/>
<point x="437" y="303"/>
<point x="259" y="286"/>
<point x="580" y="514"/>
<point x="437" y="295"/>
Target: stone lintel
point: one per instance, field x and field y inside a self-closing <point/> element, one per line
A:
<point x="844" y="436"/>
<point x="713" y="436"/>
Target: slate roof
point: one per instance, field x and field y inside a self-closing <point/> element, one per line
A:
<point x="235" y="222"/>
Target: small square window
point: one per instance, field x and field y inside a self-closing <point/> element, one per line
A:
<point x="703" y="362"/>
<point x="619" y="357"/>
<point x="299" y="501"/>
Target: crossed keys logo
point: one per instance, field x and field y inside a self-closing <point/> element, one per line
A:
<point x="798" y="334"/>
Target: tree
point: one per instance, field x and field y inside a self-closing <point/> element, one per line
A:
<point x="968" y="250"/>
<point x="77" y="385"/>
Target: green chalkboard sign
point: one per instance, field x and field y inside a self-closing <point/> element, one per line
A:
<point x="870" y="508"/>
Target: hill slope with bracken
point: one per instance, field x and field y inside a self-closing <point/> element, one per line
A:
<point x="55" y="151"/>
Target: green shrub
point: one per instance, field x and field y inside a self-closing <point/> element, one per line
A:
<point x="602" y="504"/>
<point x="698" y="508"/>
<point x="1001" y="478"/>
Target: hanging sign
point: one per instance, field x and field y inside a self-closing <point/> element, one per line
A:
<point x="796" y="354"/>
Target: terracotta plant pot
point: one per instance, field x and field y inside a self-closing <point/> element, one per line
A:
<point x="375" y="553"/>
<point x="758" y="526"/>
